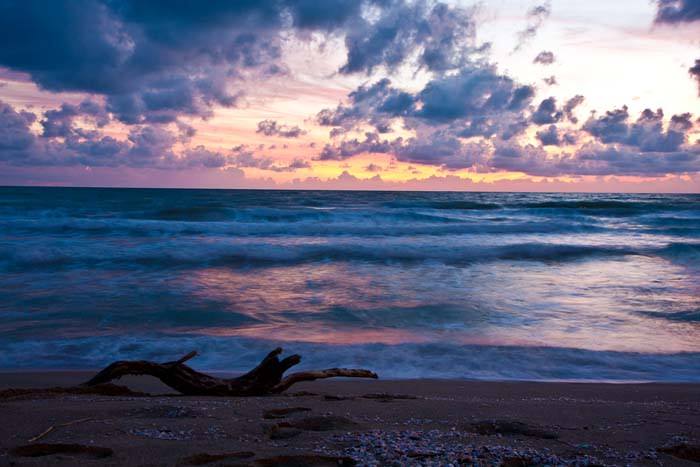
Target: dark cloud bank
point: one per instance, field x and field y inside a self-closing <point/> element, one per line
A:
<point x="677" y="11"/>
<point x="148" y="64"/>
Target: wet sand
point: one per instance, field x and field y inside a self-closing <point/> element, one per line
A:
<point x="342" y="422"/>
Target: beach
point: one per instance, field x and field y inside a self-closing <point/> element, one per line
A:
<point x="356" y="422"/>
<point x="303" y="233"/>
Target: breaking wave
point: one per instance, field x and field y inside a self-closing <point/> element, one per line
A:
<point x="90" y="275"/>
<point x="403" y="361"/>
<point x="181" y="253"/>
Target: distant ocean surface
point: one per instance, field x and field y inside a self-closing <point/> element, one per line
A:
<point x="453" y="285"/>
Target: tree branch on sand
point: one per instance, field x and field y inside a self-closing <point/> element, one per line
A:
<point x="265" y="379"/>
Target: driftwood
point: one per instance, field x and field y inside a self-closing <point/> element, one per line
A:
<point x="265" y="379"/>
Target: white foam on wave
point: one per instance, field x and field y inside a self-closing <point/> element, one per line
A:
<point x="390" y="361"/>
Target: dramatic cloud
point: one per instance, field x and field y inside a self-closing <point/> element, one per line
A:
<point x="553" y="137"/>
<point x="677" y="11"/>
<point x="571" y="105"/>
<point x="145" y="146"/>
<point x="242" y="157"/>
<point x="466" y="120"/>
<point x="377" y="103"/>
<point x="152" y="60"/>
<point x="439" y="37"/>
<point x="157" y="60"/>
<point x="544" y="58"/>
<point x="647" y="133"/>
<point x="60" y="122"/>
<point x="272" y="128"/>
<point x="535" y="19"/>
<point x="15" y="136"/>
<point x="348" y="148"/>
<point x="594" y="160"/>
<point x="444" y="150"/>
<point x="695" y="73"/>
<point x="62" y="143"/>
<point x="548" y="112"/>
<point x="200" y="156"/>
<point x="146" y="72"/>
<point x="474" y="92"/>
<point x="477" y="99"/>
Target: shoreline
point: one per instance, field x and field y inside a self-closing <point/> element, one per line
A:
<point x="44" y="376"/>
<point x="369" y="422"/>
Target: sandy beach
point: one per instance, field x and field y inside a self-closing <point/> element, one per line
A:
<point x="342" y="422"/>
<point x="331" y="233"/>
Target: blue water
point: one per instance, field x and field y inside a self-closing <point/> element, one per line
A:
<point x="466" y="285"/>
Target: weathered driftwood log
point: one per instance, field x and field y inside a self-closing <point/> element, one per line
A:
<point x="267" y="378"/>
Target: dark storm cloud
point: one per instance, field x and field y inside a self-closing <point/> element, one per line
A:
<point x="443" y="36"/>
<point x="376" y="103"/>
<point x="351" y="147"/>
<point x="153" y="60"/>
<point x="475" y="101"/>
<point x="147" y="146"/>
<point x="677" y="11"/>
<point x="157" y="60"/>
<point x="272" y="128"/>
<point x="59" y="122"/>
<point x="611" y="127"/>
<point x="647" y="133"/>
<point x="547" y="112"/>
<point x="551" y="136"/>
<point x="62" y="143"/>
<point x="623" y="161"/>
<point x="475" y="97"/>
<point x="442" y="149"/>
<point x="643" y="147"/>
<point x="595" y="160"/>
<point x="149" y="64"/>
<point x="544" y="58"/>
<point x="474" y="91"/>
<point x="439" y="148"/>
<point x="20" y="146"/>
<point x="15" y="136"/>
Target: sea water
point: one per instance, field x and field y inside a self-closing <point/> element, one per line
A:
<point x="409" y="284"/>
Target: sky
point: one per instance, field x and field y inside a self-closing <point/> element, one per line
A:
<point x="503" y="95"/>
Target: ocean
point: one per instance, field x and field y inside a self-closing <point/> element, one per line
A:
<point x="595" y="287"/>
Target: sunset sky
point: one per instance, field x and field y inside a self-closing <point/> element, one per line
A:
<point x="348" y="94"/>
